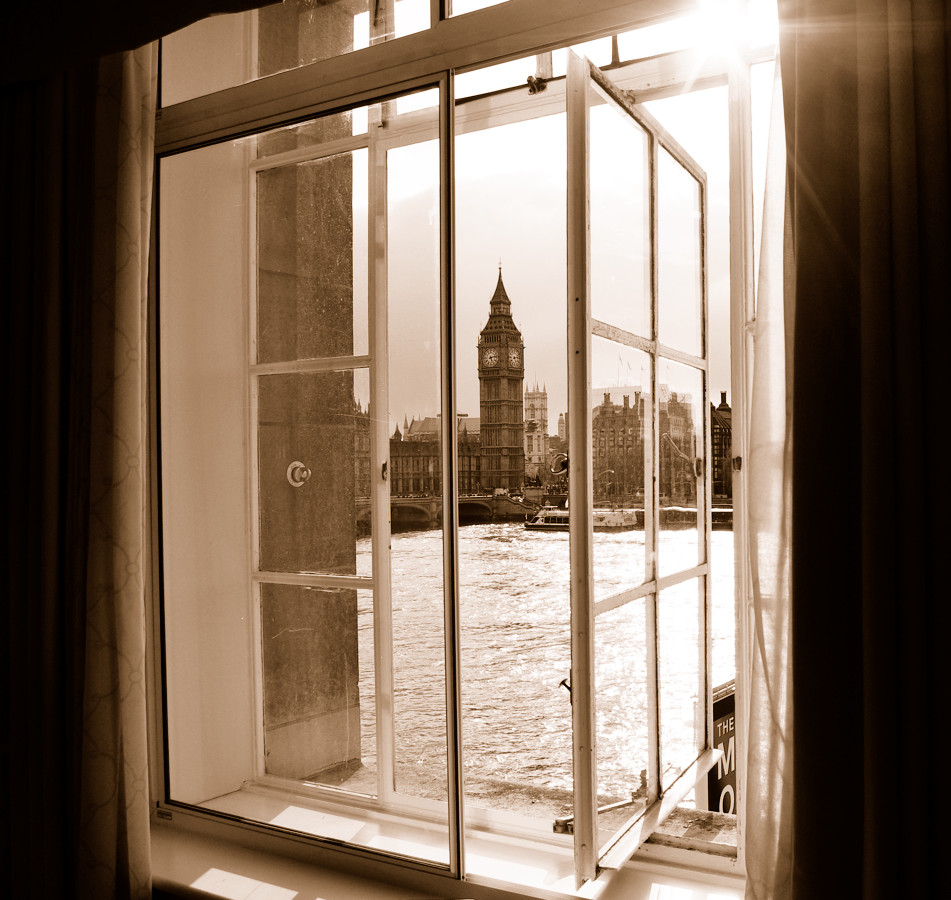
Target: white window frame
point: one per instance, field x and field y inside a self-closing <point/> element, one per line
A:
<point x="514" y="29"/>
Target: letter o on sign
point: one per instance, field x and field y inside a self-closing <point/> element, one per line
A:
<point x="728" y="790"/>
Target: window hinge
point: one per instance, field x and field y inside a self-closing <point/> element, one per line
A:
<point x="383" y="472"/>
<point x="737" y="463"/>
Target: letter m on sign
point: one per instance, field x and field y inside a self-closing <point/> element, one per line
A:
<point x="727" y="763"/>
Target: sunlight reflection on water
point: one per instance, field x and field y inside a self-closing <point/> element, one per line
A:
<point x="514" y="608"/>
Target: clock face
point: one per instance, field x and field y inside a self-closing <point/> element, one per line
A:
<point x="514" y="358"/>
<point x="490" y="357"/>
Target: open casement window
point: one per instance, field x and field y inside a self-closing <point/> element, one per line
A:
<point x="636" y="302"/>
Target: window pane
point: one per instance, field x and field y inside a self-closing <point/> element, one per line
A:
<point x="314" y="698"/>
<point x="680" y="428"/>
<point x="313" y="435"/>
<point x="227" y="50"/>
<point x="411" y="229"/>
<point x="311" y="257"/>
<point x="679" y="279"/>
<point x="458" y="7"/>
<point x="621" y="435"/>
<point x="619" y="213"/>
<point x="511" y="74"/>
<point x="622" y="721"/>
<point x="276" y="675"/>
<point x="511" y="386"/>
<point x="680" y="654"/>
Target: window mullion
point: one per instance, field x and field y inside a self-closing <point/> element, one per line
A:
<point x="450" y="482"/>
<point x="742" y="312"/>
<point x="652" y="500"/>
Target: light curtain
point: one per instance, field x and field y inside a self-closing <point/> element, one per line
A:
<point x="114" y="857"/>
<point x="768" y="812"/>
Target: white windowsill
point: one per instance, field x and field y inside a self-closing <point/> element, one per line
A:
<point x="192" y="857"/>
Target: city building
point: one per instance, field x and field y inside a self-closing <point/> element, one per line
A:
<point x="618" y="447"/>
<point x="721" y="437"/>
<point x="536" y="432"/>
<point x="415" y="462"/>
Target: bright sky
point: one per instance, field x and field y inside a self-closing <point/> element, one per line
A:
<point x="510" y="207"/>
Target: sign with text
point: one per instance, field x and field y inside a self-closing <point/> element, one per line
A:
<point x="721" y="780"/>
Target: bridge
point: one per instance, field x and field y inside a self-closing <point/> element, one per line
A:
<point x="419" y="513"/>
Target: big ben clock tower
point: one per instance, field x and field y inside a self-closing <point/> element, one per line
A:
<point x="501" y="373"/>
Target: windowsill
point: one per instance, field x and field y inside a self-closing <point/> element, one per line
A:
<point x="693" y="829"/>
<point x="195" y="857"/>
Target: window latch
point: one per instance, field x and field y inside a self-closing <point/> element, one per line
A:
<point x="536" y="85"/>
<point x="566" y="824"/>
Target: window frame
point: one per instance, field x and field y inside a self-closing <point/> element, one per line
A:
<point x="510" y="30"/>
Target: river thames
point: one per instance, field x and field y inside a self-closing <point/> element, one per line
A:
<point x="516" y="712"/>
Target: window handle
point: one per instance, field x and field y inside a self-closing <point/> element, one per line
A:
<point x="297" y="474"/>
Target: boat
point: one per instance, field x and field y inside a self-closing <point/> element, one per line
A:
<point x="555" y="518"/>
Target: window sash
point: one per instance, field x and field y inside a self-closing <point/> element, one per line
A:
<point x="585" y="79"/>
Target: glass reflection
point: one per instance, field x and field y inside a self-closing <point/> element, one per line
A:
<point x="620" y="462"/>
<point x="680" y="446"/>
<point x="680" y="666"/>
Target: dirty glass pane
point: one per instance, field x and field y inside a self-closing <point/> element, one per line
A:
<point x="314" y="701"/>
<point x="226" y="50"/>
<point x="680" y="653"/>
<point x="312" y="460"/>
<point x="311" y="272"/>
<point x="680" y="259"/>
<point x="620" y="226"/>
<point x="680" y="429"/>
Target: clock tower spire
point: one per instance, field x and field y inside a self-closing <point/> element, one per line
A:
<point x="501" y="373"/>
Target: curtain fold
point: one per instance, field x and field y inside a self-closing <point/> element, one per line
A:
<point x="867" y="91"/>
<point x="768" y="810"/>
<point x="114" y="857"/>
<point x="45" y="253"/>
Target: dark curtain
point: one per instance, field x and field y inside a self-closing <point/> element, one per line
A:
<point x="46" y="198"/>
<point x="48" y="251"/>
<point x="866" y="91"/>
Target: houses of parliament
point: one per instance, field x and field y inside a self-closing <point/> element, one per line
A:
<point x="508" y="447"/>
